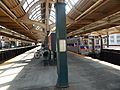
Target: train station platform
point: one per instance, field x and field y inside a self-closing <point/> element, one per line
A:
<point x="24" y="72"/>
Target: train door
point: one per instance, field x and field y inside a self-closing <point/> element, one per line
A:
<point x="93" y="45"/>
<point x="85" y="45"/>
<point x="97" y="44"/>
<point x="81" y="45"/>
<point x="104" y="42"/>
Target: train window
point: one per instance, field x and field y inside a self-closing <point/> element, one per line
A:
<point x="112" y="41"/>
<point x="118" y="41"/>
<point x="85" y="36"/>
<point x="96" y="36"/>
<point x="105" y="41"/>
<point x="118" y="36"/>
<point x="90" y="41"/>
<point x="97" y="41"/>
<point x="85" y="42"/>
<point x="91" y="36"/>
<point x="111" y="37"/>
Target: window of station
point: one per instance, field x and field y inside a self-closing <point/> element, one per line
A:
<point x="105" y="40"/>
<point x="90" y="41"/>
<point x="97" y="41"/>
<point x="112" y="39"/>
<point x="85" y="42"/>
<point x="118" y="39"/>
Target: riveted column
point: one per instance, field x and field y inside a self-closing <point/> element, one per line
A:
<point x="62" y="68"/>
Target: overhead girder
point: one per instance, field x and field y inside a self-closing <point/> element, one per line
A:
<point x="118" y="28"/>
<point x="9" y="33"/>
<point x="112" y="30"/>
<point x="24" y="22"/>
<point x="73" y="7"/>
<point x="110" y="21"/>
<point x="38" y="32"/>
<point x="62" y="1"/>
<point x="69" y="20"/>
<point x="92" y="8"/>
<point x="25" y="19"/>
<point x="89" y="10"/>
<point x="14" y="18"/>
<point x="28" y="21"/>
<point x="103" y="10"/>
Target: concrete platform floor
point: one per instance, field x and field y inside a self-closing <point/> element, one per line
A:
<point x="24" y="72"/>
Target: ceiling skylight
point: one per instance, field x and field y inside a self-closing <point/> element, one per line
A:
<point x="34" y="9"/>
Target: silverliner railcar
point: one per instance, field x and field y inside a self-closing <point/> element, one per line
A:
<point x="84" y="44"/>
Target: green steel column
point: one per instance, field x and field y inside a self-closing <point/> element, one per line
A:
<point x="46" y="42"/>
<point x="62" y="68"/>
<point x="53" y="42"/>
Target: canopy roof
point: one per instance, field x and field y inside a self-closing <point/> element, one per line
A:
<point x="34" y="18"/>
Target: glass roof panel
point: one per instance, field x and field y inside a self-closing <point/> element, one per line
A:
<point x="52" y="15"/>
<point x="29" y="1"/>
<point x="25" y="5"/>
<point x="34" y="12"/>
<point x="70" y="4"/>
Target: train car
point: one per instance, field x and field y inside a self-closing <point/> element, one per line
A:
<point x="84" y="44"/>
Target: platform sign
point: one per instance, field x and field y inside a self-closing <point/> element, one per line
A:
<point x="62" y="45"/>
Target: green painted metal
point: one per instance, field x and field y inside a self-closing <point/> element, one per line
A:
<point x="53" y="41"/>
<point x="62" y="68"/>
<point x="46" y="42"/>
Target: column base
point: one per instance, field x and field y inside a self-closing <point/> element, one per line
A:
<point x="62" y="85"/>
